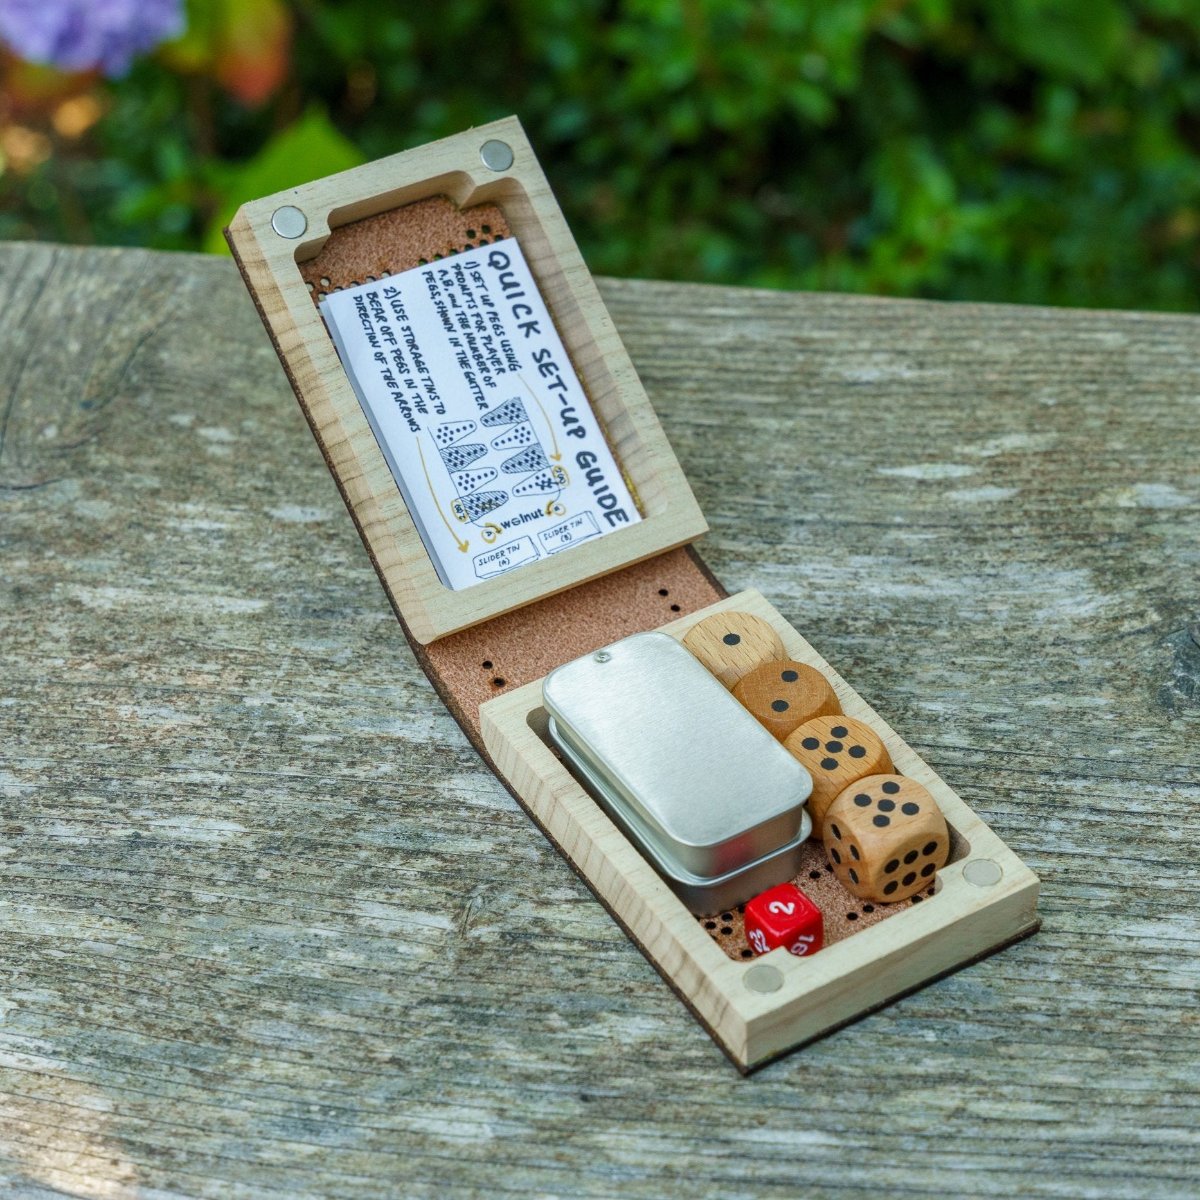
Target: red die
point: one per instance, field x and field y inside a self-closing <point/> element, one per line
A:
<point x="784" y="916"/>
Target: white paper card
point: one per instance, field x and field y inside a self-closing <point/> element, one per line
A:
<point x="478" y="412"/>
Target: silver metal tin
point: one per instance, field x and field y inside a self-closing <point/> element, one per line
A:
<point x="710" y="797"/>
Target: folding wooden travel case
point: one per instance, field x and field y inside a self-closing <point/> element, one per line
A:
<point x="486" y="648"/>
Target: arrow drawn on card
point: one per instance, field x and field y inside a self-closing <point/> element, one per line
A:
<point x="557" y="455"/>
<point x="464" y="546"/>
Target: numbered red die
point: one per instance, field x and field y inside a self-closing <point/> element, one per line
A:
<point x="784" y="916"/>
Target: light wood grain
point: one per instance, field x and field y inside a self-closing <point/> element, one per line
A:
<point x="885" y="837"/>
<point x="453" y="167"/>
<point x="269" y="928"/>
<point x="731" y="644"/>
<point x="832" y="774"/>
<point x="783" y="695"/>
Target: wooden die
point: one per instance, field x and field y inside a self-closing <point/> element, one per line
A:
<point x="837" y="751"/>
<point x="783" y="695"/>
<point x="732" y="644"/>
<point x="886" y="838"/>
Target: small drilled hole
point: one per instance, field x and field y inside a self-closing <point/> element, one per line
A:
<point x="741" y="908"/>
<point x="470" y="233"/>
<point x="852" y="916"/>
<point x="487" y="664"/>
<point x="663" y="592"/>
<point x="868" y="908"/>
<point x="710" y="924"/>
<point x="675" y="608"/>
<point x="814" y="874"/>
<point x="726" y="929"/>
<point x="497" y="682"/>
<point x="747" y="953"/>
<point x="486" y="228"/>
<point x="727" y="916"/>
<point x="916" y="899"/>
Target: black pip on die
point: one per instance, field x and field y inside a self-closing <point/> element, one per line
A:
<point x="836" y="751"/>
<point x="885" y="838"/>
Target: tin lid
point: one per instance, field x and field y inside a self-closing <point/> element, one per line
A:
<point x="697" y="779"/>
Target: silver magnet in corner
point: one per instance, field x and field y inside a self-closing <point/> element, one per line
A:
<point x="289" y="221"/>
<point x="763" y="978"/>
<point x="982" y="872"/>
<point x="496" y="155"/>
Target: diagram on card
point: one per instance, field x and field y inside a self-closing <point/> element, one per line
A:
<point x="499" y="459"/>
<point x="478" y="412"/>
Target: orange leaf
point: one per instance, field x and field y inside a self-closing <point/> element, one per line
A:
<point x="254" y="50"/>
<point x="28" y="89"/>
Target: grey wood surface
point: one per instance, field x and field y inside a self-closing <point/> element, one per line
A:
<point x="268" y="927"/>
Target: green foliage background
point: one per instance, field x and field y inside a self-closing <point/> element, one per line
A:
<point x="1024" y="150"/>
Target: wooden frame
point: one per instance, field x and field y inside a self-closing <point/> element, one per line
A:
<point x="986" y="897"/>
<point x="455" y="167"/>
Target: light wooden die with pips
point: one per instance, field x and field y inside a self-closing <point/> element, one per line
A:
<point x="885" y="838"/>
<point x="783" y="695"/>
<point x="837" y="751"/>
<point x="732" y="644"/>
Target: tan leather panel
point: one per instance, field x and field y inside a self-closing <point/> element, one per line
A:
<point x="524" y="645"/>
<point x="843" y="913"/>
<point x="399" y="240"/>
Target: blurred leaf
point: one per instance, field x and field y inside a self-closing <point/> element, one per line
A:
<point x="243" y="44"/>
<point x="306" y="150"/>
<point x="1079" y="38"/>
<point x="197" y="48"/>
<point x="27" y="87"/>
<point x="253" y="59"/>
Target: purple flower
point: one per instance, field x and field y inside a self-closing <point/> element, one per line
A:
<point x="81" y="35"/>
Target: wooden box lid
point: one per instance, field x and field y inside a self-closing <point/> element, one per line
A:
<point x="374" y="214"/>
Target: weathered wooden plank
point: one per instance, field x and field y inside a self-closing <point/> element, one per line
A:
<point x="268" y="926"/>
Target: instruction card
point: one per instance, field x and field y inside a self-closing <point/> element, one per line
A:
<point x="478" y="412"/>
